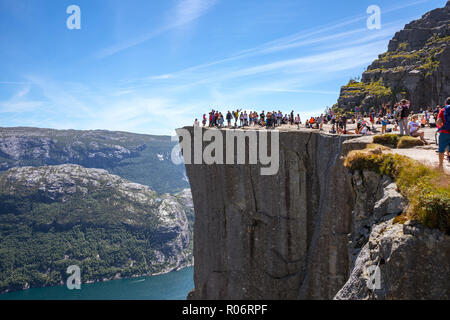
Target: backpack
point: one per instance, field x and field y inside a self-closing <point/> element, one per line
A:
<point x="405" y="112"/>
<point x="446" y="125"/>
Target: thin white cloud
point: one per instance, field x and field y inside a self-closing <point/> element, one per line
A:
<point x="325" y="45"/>
<point x="268" y="89"/>
<point x="294" y="40"/>
<point x="162" y="77"/>
<point x="327" y="62"/>
<point x="185" y="12"/>
<point x="19" y="102"/>
<point x="20" y="106"/>
<point x="59" y="97"/>
<point x="141" y="114"/>
<point x="13" y="83"/>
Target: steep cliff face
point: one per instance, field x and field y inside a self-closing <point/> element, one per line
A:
<point x="312" y="231"/>
<point x="416" y="66"/>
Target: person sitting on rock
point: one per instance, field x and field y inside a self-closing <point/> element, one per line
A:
<point x="414" y="129"/>
<point x="365" y="130"/>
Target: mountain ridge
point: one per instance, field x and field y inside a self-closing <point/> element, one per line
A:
<point x="140" y="158"/>
<point x="416" y="67"/>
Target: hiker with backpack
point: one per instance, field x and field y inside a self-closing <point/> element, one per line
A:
<point x="443" y="124"/>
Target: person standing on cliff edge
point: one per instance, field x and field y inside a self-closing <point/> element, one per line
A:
<point x="443" y="123"/>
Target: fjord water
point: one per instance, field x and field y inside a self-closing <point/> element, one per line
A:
<point x="171" y="286"/>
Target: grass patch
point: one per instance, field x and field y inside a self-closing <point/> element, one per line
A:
<point x="373" y="88"/>
<point x="403" y="46"/>
<point x="406" y="142"/>
<point x="390" y="140"/>
<point x="429" y="65"/>
<point x="438" y="40"/>
<point x="397" y="141"/>
<point x="401" y="55"/>
<point x="376" y="70"/>
<point x="401" y="219"/>
<point x="426" y="189"/>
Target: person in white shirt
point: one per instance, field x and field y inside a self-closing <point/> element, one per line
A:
<point x="298" y="121"/>
<point x="414" y="129"/>
<point x="365" y="131"/>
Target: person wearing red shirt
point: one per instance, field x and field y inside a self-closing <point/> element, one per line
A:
<point x="444" y="130"/>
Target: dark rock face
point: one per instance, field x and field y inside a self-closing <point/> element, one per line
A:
<point x="416" y="66"/>
<point x="274" y="237"/>
<point x="417" y="33"/>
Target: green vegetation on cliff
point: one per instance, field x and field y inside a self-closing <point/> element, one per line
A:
<point x="376" y="89"/>
<point x="436" y="39"/>
<point x="397" y="141"/>
<point x="427" y="189"/>
<point x="423" y="59"/>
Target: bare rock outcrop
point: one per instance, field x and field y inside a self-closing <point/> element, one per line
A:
<point x="412" y="263"/>
<point x="274" y="237"/>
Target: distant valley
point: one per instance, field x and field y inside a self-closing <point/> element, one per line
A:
<point x="112" y="203"/>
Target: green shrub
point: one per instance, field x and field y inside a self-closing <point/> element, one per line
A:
<point x="373" y="88"/>
<point x="403" y="46"/>
<point x="397" y="141"/>
<point x="390" y="140"/>
<point x="427" y="189"/>
<point x="409" y="142"/>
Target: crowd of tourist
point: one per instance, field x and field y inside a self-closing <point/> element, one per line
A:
<point x="397" y="118"/>
<point x="242" y="119"/>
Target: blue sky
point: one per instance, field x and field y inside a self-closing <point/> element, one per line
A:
<point x="150" y="66"/>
